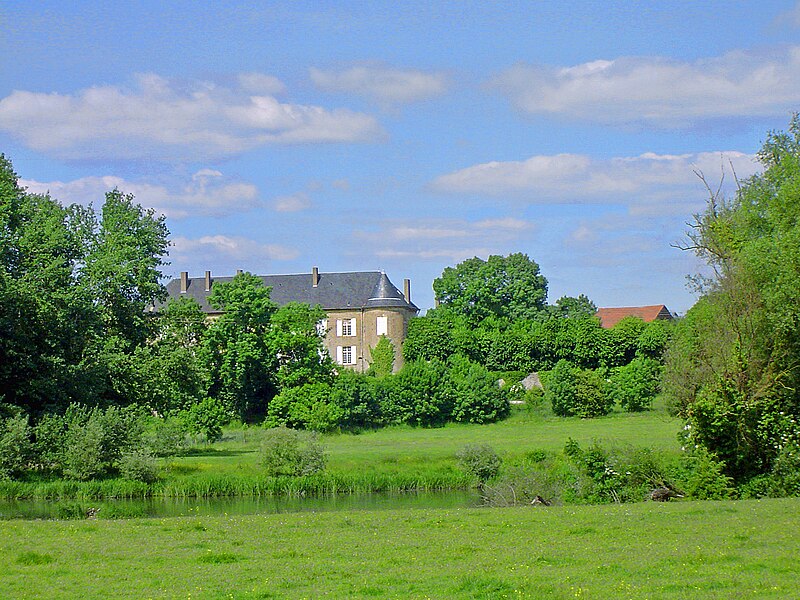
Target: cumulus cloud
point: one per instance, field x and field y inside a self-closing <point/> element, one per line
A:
<point x="221" y="248"/>
<point x="381" y="84"/>
<point x="293" y="203"/>
<point x="450" y="239"/>
<point x="167" y="120"/>
<point x="643" y="183"/>
<point x="659" y="91"/>
<point x="207" y="193"/>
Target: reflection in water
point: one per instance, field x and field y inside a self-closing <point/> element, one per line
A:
<point x="175" y="507"/>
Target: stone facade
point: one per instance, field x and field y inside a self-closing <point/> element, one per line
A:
<point x="360" y="306"/>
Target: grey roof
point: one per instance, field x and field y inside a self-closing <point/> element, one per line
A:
<point x="363" y="289"/>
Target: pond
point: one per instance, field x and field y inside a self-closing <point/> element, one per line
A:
<point x="176" y="507"/>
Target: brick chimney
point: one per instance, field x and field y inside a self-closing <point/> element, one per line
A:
<point x="208" y="281"/>
<point x="407" y="290"/>
<point x="184" y="281"/>
<point x="315" y="276"/>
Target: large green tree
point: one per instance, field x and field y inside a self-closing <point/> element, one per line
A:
<point x="733" y="371"/>
<point x="73" y="293"/>
<point x="508" y="287"/>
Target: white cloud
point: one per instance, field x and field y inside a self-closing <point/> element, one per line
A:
<point x="382" y="84"/>
<point x="216" y="248"/>
<point x="660" y="91"/>
<point x="161" y="119"/>
<point x="451" y="239"/>
<point x="208" y="193"/>
<point x="649" y="182"/>
<point x="294" y="203"/>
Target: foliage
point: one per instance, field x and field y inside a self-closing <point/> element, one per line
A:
<point x="296" y="341"/>
<point x="572" y="391"/>
<point x="416" y="396"/>
<point x="508" y="287"/>
<point x="207" y="417"/>
<point x="307" y="406"/>
<point x="740" y="385"/>
<point x="356" y="397"/>
<point x="15" y="445"/>
<point x="706" y="478"/>
<point x="238" y="355"/>
<point x="634" y="386"/>
<point x="73" y="285"/>
<point x="475" y="395"/>
<point x="138" y="465"/>
<point x="381" y="358"/>
<point x="571" y="307"/>
<point x="479" y="460"/>
<point x="290" y="452"/>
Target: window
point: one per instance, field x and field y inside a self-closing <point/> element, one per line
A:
<point x="383" y="325"/>
<point x="346" y="355"/>
<point x="346" y="327"/>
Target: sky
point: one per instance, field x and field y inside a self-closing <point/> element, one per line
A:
<point x="404" y="136"/>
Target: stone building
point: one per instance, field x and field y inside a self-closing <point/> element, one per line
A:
<point x="361" y="307"/>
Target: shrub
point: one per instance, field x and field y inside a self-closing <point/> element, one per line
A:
<point x="706" y="478"/>
<point x="415" y="395"/>
<point x="635" y="385"/>
<point x="474" y="393"/>
<point x="49" y="442"/>
<point x="207" y="418"/>
<point x="576" y="392"/>
<point x="357" y="397"/>
<point x="84" y="456"/>
<point x="479" y="460"/>
<point x="382" y="355"/>
<point x="306" y="407"/>
<point x="165" y="437"/>
<point x="138" y="465"/>
<point x="15" y="446"/>
<point x="290" y="452"/>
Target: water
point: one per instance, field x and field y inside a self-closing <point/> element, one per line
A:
<point x="176" y="507"/>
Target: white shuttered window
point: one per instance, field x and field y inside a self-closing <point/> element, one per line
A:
<point x="383" y="325"/>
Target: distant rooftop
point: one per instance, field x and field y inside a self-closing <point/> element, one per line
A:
<point x="355" y="290"/>
<point x="611" y="316"/>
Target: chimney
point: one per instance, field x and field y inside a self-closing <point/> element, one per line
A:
<point x="184" y="281"/>
<point x="208" y="281"/>
<point x="315" y="276"/>
<point x="407" y="290"/>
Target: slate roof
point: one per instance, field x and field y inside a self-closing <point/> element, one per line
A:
<point x="363" y="289"/>
<point x="611" y="316"/>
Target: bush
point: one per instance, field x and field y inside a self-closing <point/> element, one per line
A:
<point x="415" y="395"/>
<point x="84" y="456"/>
<point x="138" y="465"/>
<point x="289" y="452"/>
<point x="357" y="397"/>
<point x="474" y="393"/>
<point x="635" y="385"/>
<point x="165" y="437"/>
<point x="207" y="418"/>
<point x="706" y="478"/>
<point x="15" y="446"/>
<point x="576" y="392"/>
<point x="382" y="358"/>
<point x="306" y="407"/>
<point x="479" y="460"/>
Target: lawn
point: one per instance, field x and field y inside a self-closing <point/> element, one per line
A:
<point x="734" y="549"/>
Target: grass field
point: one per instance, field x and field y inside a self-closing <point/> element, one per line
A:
<point x="742" y="549"/>
<point x="390" y="459"/>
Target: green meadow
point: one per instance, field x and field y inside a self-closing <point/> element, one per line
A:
<point x="733" y="549"/>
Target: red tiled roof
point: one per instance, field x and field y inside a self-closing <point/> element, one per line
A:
<point x="611" y="316"/>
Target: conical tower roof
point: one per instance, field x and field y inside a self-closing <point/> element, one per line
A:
<point x="385" y="294"/>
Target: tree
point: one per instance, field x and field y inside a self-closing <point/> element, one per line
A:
<point x="297" y="343"/>
<point x="568" y="306"/>
<point x="382" y="358"/>
<point x="238" y="355"/>
<point x="732" y="370"/>
<point x="509" y="287"/>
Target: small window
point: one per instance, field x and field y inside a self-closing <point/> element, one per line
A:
<point x="383" y="325"/>
<point x="345" y="355"/>
<point x="346" y="327"/>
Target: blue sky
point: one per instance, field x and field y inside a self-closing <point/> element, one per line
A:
<point x="406" y="137"/>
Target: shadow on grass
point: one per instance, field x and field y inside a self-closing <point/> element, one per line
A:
<point x="213" y="452"/>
